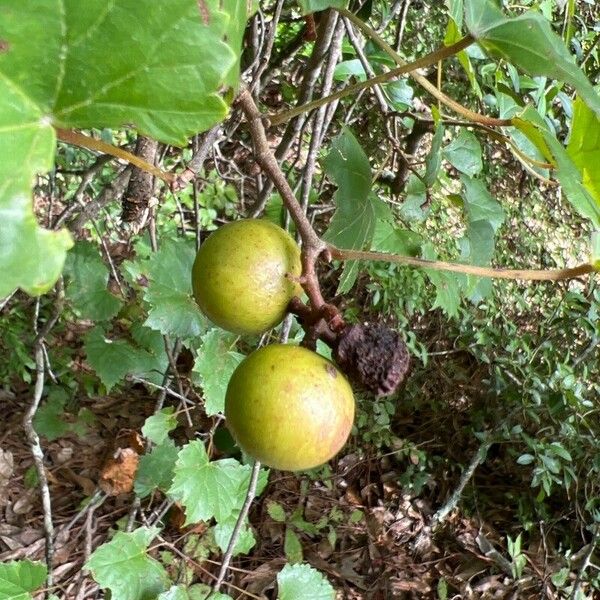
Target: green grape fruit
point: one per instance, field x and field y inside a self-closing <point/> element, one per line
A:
<point x="289" y="407"/>
<point x="244" y="276"/>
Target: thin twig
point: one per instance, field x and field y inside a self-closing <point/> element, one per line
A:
<point x="30" y="432"/>
<point x="422" y="80"/>
<point x="84" y="141"/>
<point x="452" y="502"/>
<point x="586" y="561"/>
<point x="439" y="265"/>
<point x="403" y="69"/>
<point x="250" y="494"/>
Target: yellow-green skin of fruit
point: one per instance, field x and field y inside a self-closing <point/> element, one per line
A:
<point x="239" y="275"/>
<point x="289" y="408"/>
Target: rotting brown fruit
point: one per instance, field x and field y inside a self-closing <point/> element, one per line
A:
<point x="289" y="407"/>
<point x="241" y="275"/>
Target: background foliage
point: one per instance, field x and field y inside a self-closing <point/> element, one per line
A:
<point x="144" y="483"/>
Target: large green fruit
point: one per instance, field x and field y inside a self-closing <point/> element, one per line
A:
<point x="289" y="407"/>
<point x="239" y="275"/>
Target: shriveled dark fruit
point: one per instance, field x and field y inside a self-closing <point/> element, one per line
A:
<point x="240" y="275"/>
<point x="289" y="408"/>
<point x="374" y="357"/>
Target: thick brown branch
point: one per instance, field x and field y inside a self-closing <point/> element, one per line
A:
<point x="312" y="246"/>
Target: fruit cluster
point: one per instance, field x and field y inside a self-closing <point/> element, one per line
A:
<point x="285" y="405"/>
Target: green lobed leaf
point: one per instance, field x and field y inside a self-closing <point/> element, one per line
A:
<point x="124" y="567"/>
<point x="480" y="205"/>
<point x="87" y="288"/>
<point x="464" y="153"/>
<point x="302" y="582"/>
<point x="353" y="222"/>
<point x="19" y="578"/>
<point x="156" y="469"/>
<point x="165" y="80"/>
<point x="528" y="42"/>
<point x="215" y="364"/>
<point x="206" y="488"/>
<point x="448" y="285"/>
<point x="157" y="426"/>
<point x="113" y="359"/>
<point x="584" y="146"/>
<point x="173" y="310"/>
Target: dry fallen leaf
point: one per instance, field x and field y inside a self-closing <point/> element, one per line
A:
<point x="118" y="472"/>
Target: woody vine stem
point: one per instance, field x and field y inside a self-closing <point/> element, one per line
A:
<point x="314" y="248"/>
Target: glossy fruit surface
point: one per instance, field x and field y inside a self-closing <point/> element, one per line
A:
<point x="289" y="407"/>
<point x="239" y="275"/>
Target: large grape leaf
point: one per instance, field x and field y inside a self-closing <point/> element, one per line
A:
<point x="217" y="359"/>
<point x="207" y="488"/>
<point x="584" y="147"/>
<point x="124" y="567"/>
<point x="302" y="582"/>
<point x="528" y="42"/>
<point x="156" y="66"/>
<point x="19" y="578"/>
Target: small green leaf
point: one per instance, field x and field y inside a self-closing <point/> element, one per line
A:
<point x="525" y="459"/>
<point x="156" y="469"/>
<point x="414" y="206"/>
<point x="19" y="578"/>
<point x="175" y="592"/>
<point x="173" y="311"/>
<point x="464" y="153"/>
<point x="124" y="567"/>
<point x="276" y="511"/>
<point x="87" y="289"/>
<point x="113" y="359"/>
<point x="157" y="426"/>
<point x="480" y="205"/>
<point x="447" y="285"/>
<point x="302" y="582"/>
<point x="216" y="362"/>
<point x="224" y="529"/>
<point x="207" y="489"/>
<point x="292" y="546"/>
<point x="48" y="420"/>
<point x="528" y="42"/>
